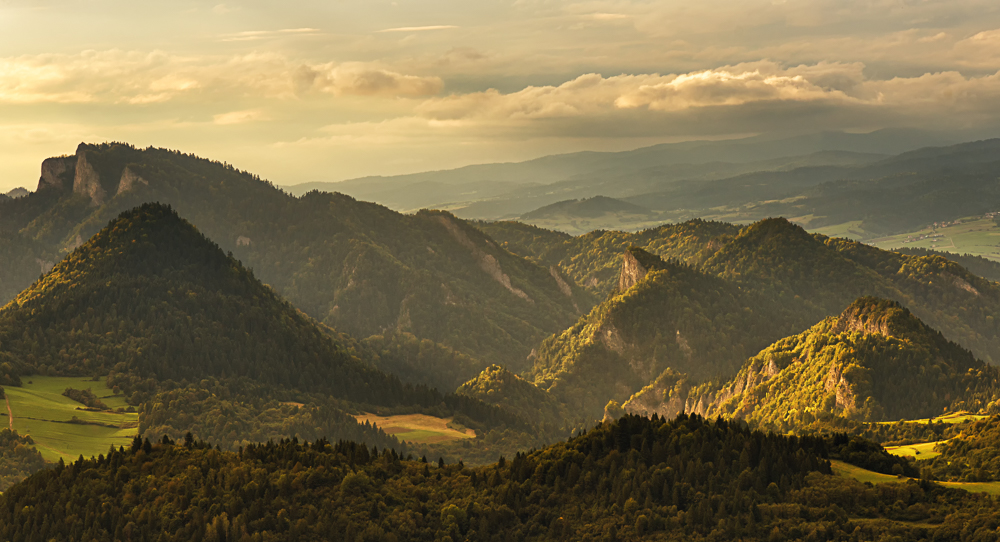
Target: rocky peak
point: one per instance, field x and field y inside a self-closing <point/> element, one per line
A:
<point x="632" y="271"/>
<point x="86" y="181"/>
<point x="57" y="173"/>
<point x="129" y="180"/>
<point x="876" y="316"/>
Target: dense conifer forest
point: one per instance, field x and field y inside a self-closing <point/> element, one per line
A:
<point x="634" y="478"/>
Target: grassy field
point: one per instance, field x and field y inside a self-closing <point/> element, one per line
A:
<point x="40" y="410"/>
<point x="418" y="428"/>
<point x="972" y="235"/>
<point x="608" y="221"/>
<point x="849" y="230"/>
<point x="919" y="451"/>
<point x="850" y="471"/>
<point x="954" y="417"/>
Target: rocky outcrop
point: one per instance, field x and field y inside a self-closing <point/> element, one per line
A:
<point x="837" y="384"/>
<point x="44" y="265"/>
<point x="487" y="262"/>
<point x="129" y="180"/>
<point x="57" y="173"/>
<point x="671" y="393"/>
<point x="86" y="181"/>
<point x="632" y="272"/>
<point x="874" y="316"/>
<point x="612" y="338"/>
<point x="960" y="283"/>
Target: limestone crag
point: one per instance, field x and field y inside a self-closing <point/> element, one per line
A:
<point x="86" y="181"/>
<point x="960" y="283"/>
<point x="57" y="173"/>
<point x="837" y="383"/>
<point x="129" y="180"/>
<point x="632" y="272"/>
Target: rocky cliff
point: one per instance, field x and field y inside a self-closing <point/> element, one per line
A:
<point x="57" y="173"/>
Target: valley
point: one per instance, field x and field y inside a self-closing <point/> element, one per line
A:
<point x="975" y="235"/>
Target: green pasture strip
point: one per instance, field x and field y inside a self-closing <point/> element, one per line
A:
<point x="954" y="417"/>
<point x="862" y="475"/>
<point x="847" y="230"/>
<point x="922" y="451"/>
<point x="41" y="411"/>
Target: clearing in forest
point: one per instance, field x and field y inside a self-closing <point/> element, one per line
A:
<point x="924" y="450"/>
<point x="850" y="471"/>
<point x="418" y="428"/>
<point x="952" y="417"/>
<point x="41" y="410"/>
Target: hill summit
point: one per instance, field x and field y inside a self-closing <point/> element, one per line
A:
<point x="874" y="362"/>
<point x="151" y="297"/>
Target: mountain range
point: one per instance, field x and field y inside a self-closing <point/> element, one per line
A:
<point x="356" y="266"/>
<point x="869" y="185"/>
<point x="251" y="330"/>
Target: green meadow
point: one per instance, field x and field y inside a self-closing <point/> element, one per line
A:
<point x="974" y="235"/>
<point x="920" y="451"/>
<point x="952" y="417"/>
<point x="850" y="471"/>
<point x="40" y="410"/>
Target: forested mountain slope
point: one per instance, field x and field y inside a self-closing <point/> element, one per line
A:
<point x="874" y="362"/>
<point x="662" y="314"/>
<point x="684" y="479"/>
<point x="773" y="261"/>
<point x="356" y="266"/>
<point x="190" y="335"/>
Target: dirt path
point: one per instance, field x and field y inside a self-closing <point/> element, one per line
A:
<point x="10" y="413"/>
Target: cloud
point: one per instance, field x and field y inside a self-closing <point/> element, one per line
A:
<point x="128" y="77"/>
<point x="239" y="117"/>
<point x="417" y="28"/>
<point x="734" y="98"/>
<point x="356" y="78"/>
<point x="253" y="35"/>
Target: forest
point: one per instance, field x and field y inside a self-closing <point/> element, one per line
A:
<point x="638" y="477"/>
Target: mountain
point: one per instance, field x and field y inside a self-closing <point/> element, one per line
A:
<point x="894" y="195"/>
<point x="874" y="362"/>
<point x="496" y="385"/>
<point x="594" y="207"/>
<point x="809" y="276"/>
<point x="358" y="267"/>
<point x="189" y="334"/>
<point x="594" y="259"/>
<point x="598" y="212"/>
<point x="18" y="192"/>
<point x="729" y="293"/>
<point x="491" y="191"/>
<point x="661" y="314"/>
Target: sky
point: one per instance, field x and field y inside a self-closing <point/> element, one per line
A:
<point x="336" y="89"/>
